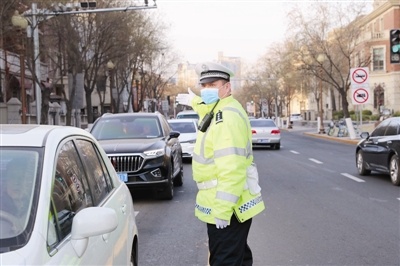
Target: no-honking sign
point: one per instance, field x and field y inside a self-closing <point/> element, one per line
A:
<point x="359" y="76"/>
<point x="360" y="96"/>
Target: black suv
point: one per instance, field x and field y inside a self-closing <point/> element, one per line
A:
<point x="144" y="150"/>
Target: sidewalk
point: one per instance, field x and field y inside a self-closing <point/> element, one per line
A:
<point x="311" y="130"/>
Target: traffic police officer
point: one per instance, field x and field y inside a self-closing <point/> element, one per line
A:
<point x="227" y="199"/>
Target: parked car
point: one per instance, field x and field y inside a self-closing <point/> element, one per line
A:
<point x="187" y="114"/>
<point x="144" y="150"/>
<point x="380" y="151"/>
<point x="296" y="117"/>
<point x="61" y="201"/>
<point x="187" y="138"/>
<point x="265" y="133"/>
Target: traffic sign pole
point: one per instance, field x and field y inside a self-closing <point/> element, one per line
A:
<point x="360" y="87"/>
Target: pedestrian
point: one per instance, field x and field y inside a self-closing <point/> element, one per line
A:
<point x="227" y="199"/>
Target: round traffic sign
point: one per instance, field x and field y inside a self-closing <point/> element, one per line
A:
<point x="359" y="75"/>
<point x="360" y="95"/>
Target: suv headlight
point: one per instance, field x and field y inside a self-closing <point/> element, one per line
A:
<point x="154" y="153"/>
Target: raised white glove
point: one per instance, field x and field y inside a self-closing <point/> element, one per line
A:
<point x="185" y="98"/>
<point x="221" y="224"/>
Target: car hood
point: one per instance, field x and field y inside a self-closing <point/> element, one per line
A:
<point x="187" y="136"/>
<point x="131" y="145"/>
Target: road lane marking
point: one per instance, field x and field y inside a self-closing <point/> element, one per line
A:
<point x="352" y="177"/>
<point x="295" y="152"/>
<point x="315" y="161"/>
<point x="398" y="198"/>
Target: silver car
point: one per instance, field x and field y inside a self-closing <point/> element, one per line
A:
<point x="187" y="138"/>
<point x="265" y="133"/>
<point x="61" y="201"/>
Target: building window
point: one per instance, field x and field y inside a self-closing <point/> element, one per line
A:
<point x="378" y="57"/>
<point x="379" y="97"/>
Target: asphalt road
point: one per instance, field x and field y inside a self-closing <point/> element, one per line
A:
<point x="319" y="212"/>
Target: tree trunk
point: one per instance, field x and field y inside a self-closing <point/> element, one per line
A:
<point x="89" y="106"/>
<point x="44" y="116"/>
<point x="345" y="104"/>
<point x="333" y="100"/>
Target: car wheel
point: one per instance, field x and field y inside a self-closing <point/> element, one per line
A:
<point x="362" y="170"/>
<point x="168" y="192"/>
<point x="394" y="170"/>
<point x="178" y="181"/>
<point x="134" y="256"/>
<point x="277" y="146"/>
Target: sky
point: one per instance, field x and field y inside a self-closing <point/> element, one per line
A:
<point x="199" y="29"/>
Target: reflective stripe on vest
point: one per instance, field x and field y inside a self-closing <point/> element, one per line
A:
<point x="250" y="204"/>
<point x="207" y="184"/>
<point x="230" y="151"/>
<point x="202" y="209"/>
<point x="227" y="196"/>
<point x="202" y="160"/>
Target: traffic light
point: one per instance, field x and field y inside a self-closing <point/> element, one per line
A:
<point x="395" y="46"/>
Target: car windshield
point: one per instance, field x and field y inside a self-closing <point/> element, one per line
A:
<point x="19" y="171"/>
<point x="183" y="127"/>
<point x="262" y="123"/>
<point x="127" y="128"/>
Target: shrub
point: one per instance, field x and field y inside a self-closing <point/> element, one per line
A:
<point x="374" y="117"/>
<point x="396" y="113"/>
<point x="338" y="114"/>
<point x="366" y="118"/>
<point x="366" y="112"/>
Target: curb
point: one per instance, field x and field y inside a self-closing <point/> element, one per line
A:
<point x="337" y="139"/>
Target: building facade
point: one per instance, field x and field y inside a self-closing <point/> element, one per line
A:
<point x="384" y="77"/>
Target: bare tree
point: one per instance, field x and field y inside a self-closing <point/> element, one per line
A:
<point x="327" y="41"/>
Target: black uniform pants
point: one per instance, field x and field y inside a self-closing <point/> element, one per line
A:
<point x="228" y="246"/>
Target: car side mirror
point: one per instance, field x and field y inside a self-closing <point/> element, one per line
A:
<point x="174" y="134"/>
<point x="364" y="135"/>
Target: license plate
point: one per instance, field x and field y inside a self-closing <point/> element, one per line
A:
<point x="263" y="140"/>
<point x="123" y="177"/>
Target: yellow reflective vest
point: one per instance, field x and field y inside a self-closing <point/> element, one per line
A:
<point x="221" y="156"/>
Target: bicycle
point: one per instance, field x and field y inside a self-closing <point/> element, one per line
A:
<point x="343" y="132"/>
<point x="331" y="130"/>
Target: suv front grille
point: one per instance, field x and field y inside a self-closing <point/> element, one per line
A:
<point x="127" y="163"/>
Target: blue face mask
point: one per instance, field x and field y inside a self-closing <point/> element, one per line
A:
<point x="209" y="95"/>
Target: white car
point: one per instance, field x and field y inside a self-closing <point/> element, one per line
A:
<point x="296" y="117"/>
<point x="62" y="202"/>
<point x="187" y="114"/>
<point x="265" y="133"/>
<point x="187" y="138"/>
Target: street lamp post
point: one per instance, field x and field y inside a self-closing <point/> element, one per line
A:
<point x="21" y="23"/>
<point x="289" y="77"/>
<point x="321" y="111"/>
<point x="321" y="59"/>
<point x="111" y="66"/>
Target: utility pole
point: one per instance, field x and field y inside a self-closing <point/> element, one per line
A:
<point x="34" y="13"/>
